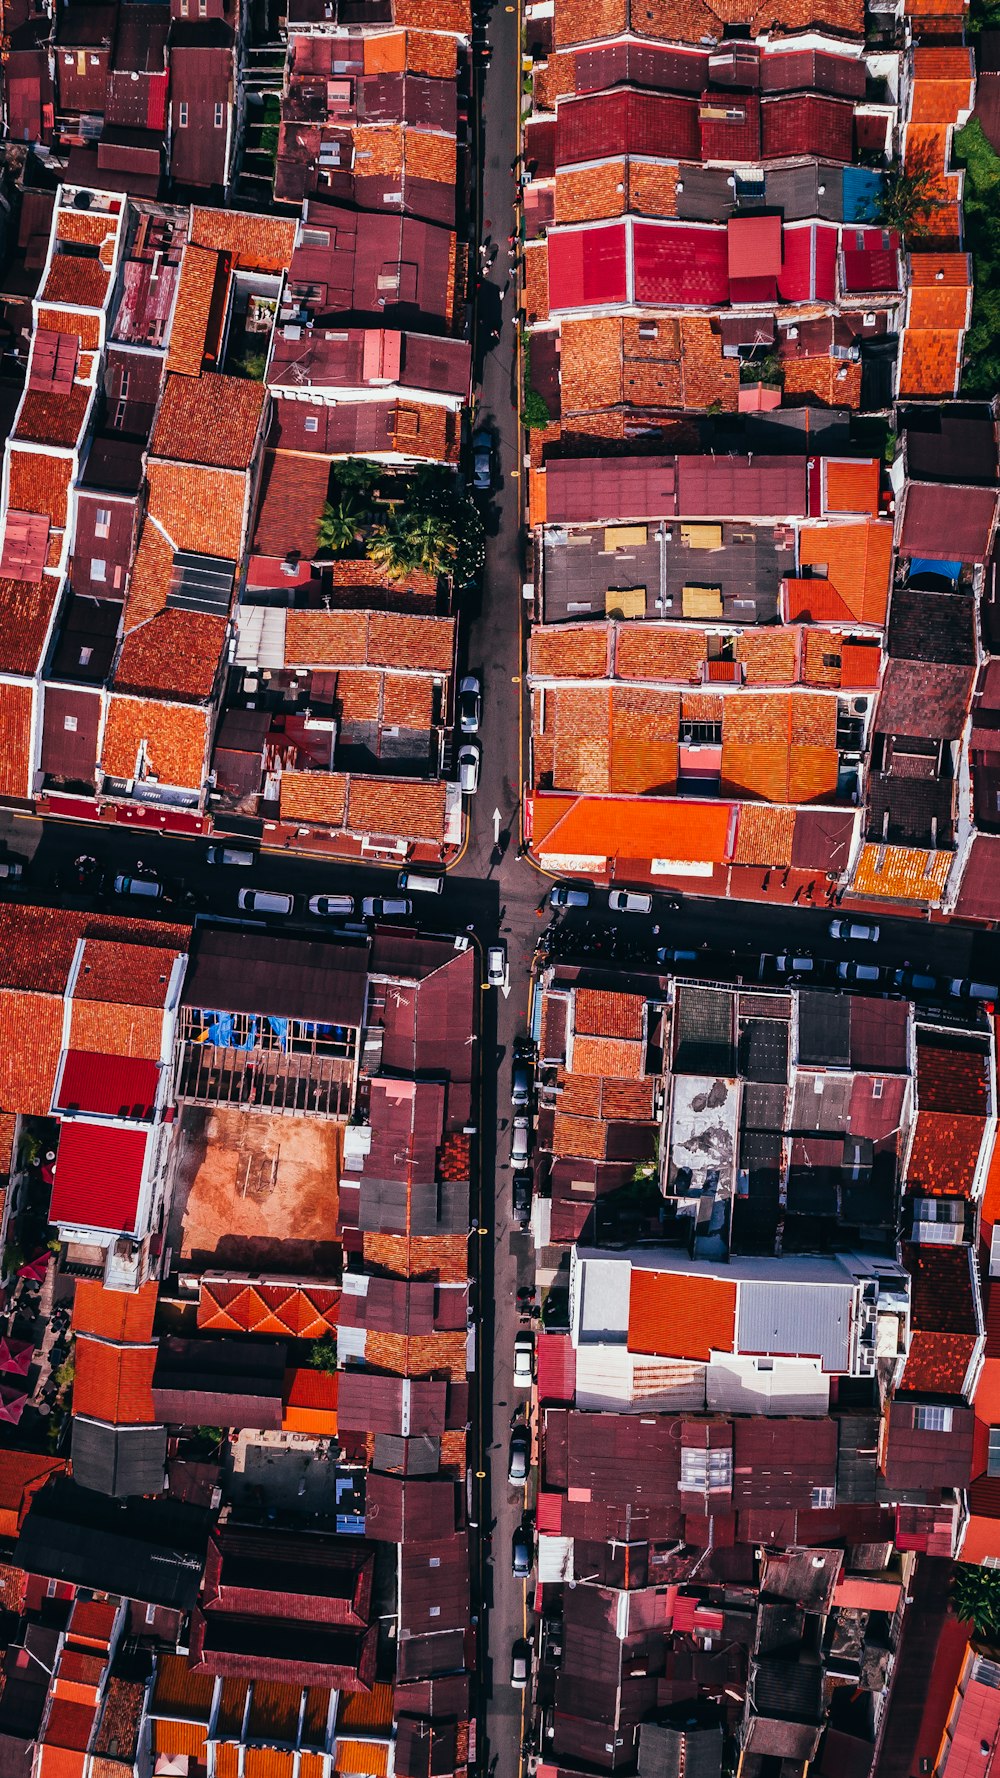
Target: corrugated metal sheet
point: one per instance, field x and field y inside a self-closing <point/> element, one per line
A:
<point x="798" y="1320"/>
<point x="115" y="1086"/>
<point x="556" y="1359"/>
<point x="555" y="1559"/>
<point x="98" y="1174"/>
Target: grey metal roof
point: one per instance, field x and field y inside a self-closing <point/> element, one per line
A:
<point x="796" y="191"/>
<point x="118" y="1460"/>
<point x="824" y="1027"/>
<point x="807" y="1320"/>
<point x="290" y="977"/>
<point x="689" y="1752"/>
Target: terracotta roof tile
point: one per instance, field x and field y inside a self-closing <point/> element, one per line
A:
<point x="38" y="944"/>
<point x="670" y="652"/>
<point x="652" y="189"/>
<point x="435" y="15"/>
<point x="98" y="1029"/>
<point x="627" y="1101"/>
<point x="114" y="1314"/>
<point x="944" y="1154"/>
<point x="114" y="1383"/>
<point x="644" y="740"/>
<point x="925" y="148"/>
<point x="397" y="807"/>
<point x="822" y="656"/>
<point x="149" y="582"/>
<point x="630" y="827"/>
<point x="90" y="229"/>
<point x="212" y="420"/>
<point x="314" y="796"/>
<point x="901" y="873"/>
<point x="943" y="83"/>
<point x="86" y="327"/>
<point x="579" y="1094"/>
<point x="930" y="361"/>
<point x="255" y="243"/>
<point x="30" y="1044"/>
<point x="25" y="616"/>
<point x="938" y="1363"/>
<point x="852" y="486"/>
<point x="769" y="656"/>
<point x="193" y="306"/>
<point x="586" y="194"/>
<point x="579" y="1138"/>
<point x="608" y="1056"/>
<point x="536" y="281"/>
<point x="681" y="1315"/>
<point x="578" y="718"/>
<point x="395" y="640"/>
<point x="176" y="737"/>
<point x="51" y="419"/>
<point x="426" y="53"/>
<point x="175" y="652"/>
<point x="15" y="740"/>
<point x="40" y="483"/>
<point x="858" y="558"/>
<point x="408" y="700"/>
<point x="600" y="1012"/>
<point x="834" y="382"/>
<point x="293" y="493"/>
<point x="200" y="509"/>
<point x="359" y="694"/>
<point x="73" y="280"/>
<point x="326" y="638"/>
<point x="578" y="651"/>
<point x="861" y="664"/>
<point x="764" y="836"/>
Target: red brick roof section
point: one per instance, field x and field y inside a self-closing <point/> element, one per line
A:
<point x="293" y="493"/>
<point x="942" y="1318"/>
<point x="952" y="1101"/>
<point x="213" y="420"/>
<point x="37" y="944"/>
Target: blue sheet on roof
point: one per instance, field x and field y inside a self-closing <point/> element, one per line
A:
<point x="925" y="565"/>
<point x="861" y="192"/>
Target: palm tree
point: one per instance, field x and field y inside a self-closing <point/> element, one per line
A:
<point x="339" y="525"/>
<point x="976" y="1598"/>
<point x="359" y="474"/>
<point x="432" y="540"/>
<point x="389" y="547"/>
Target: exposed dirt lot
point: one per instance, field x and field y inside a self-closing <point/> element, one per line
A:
<point x="254" y="1192"/>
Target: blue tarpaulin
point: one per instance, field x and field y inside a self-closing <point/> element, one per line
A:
<point x="280" y="1029"/>
<point x="862" y="191"/>
<point x="250" y="1039"/>
<point x="925" y="565"/>
<point x="220" y="1029"/>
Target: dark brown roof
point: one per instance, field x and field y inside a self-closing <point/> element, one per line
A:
<point x="928" y="1460"/>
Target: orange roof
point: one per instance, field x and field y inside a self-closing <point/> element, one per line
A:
<point x="681" y="1315"/>
<point x="92" y="1622"/>
<point x="902" y="873"/>
<point x="114" y="1314"/>
<point x="178" y="1692"/>
<point x="114" y="1383"/>
<point x="22" y="1473"/>
<point x="366" y="1757"/>
<point x="931" y="360"/>
<point x="614" y="1056"/>
<point x="303" y="1312"/>
<point x="174" y="1738"/>
<point x="310" y="1399"/>
<point x="852" y="486"/>
<point x="361" y="1710"/>
<point x="860" y="664"/>
<point x="630" y="827"/>
<point x="943" y="83"/>
<point x="764" y="835"/>
<point x="858" y="558"/>
<point x="195" y="294"/>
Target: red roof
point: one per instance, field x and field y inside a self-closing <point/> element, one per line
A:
<point x="871" y="259"/>
<point x="556" y="1357"/>
<point x="681" y="1315"/>
<point x="626" y="122"/>
<point x="977" y="1725"/>
<point x="754" y="246"/>
<point x="112" y="1086"/>
<point x="98" y="1175"/>
<point x="730" y="127"/>
<point x="678" y="263"/>
<point x="587" y="266"/>
<point x="809" y="273"/>
<point x="806" y="123"/>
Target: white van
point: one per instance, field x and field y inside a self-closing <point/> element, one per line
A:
<point x="265" y="901"/>
<point x="419" y="883"/>
<point x="147" y="886"/>
<point x="235" y="855"/>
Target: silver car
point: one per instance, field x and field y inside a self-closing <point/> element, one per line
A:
<point x="468" y="768"/>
